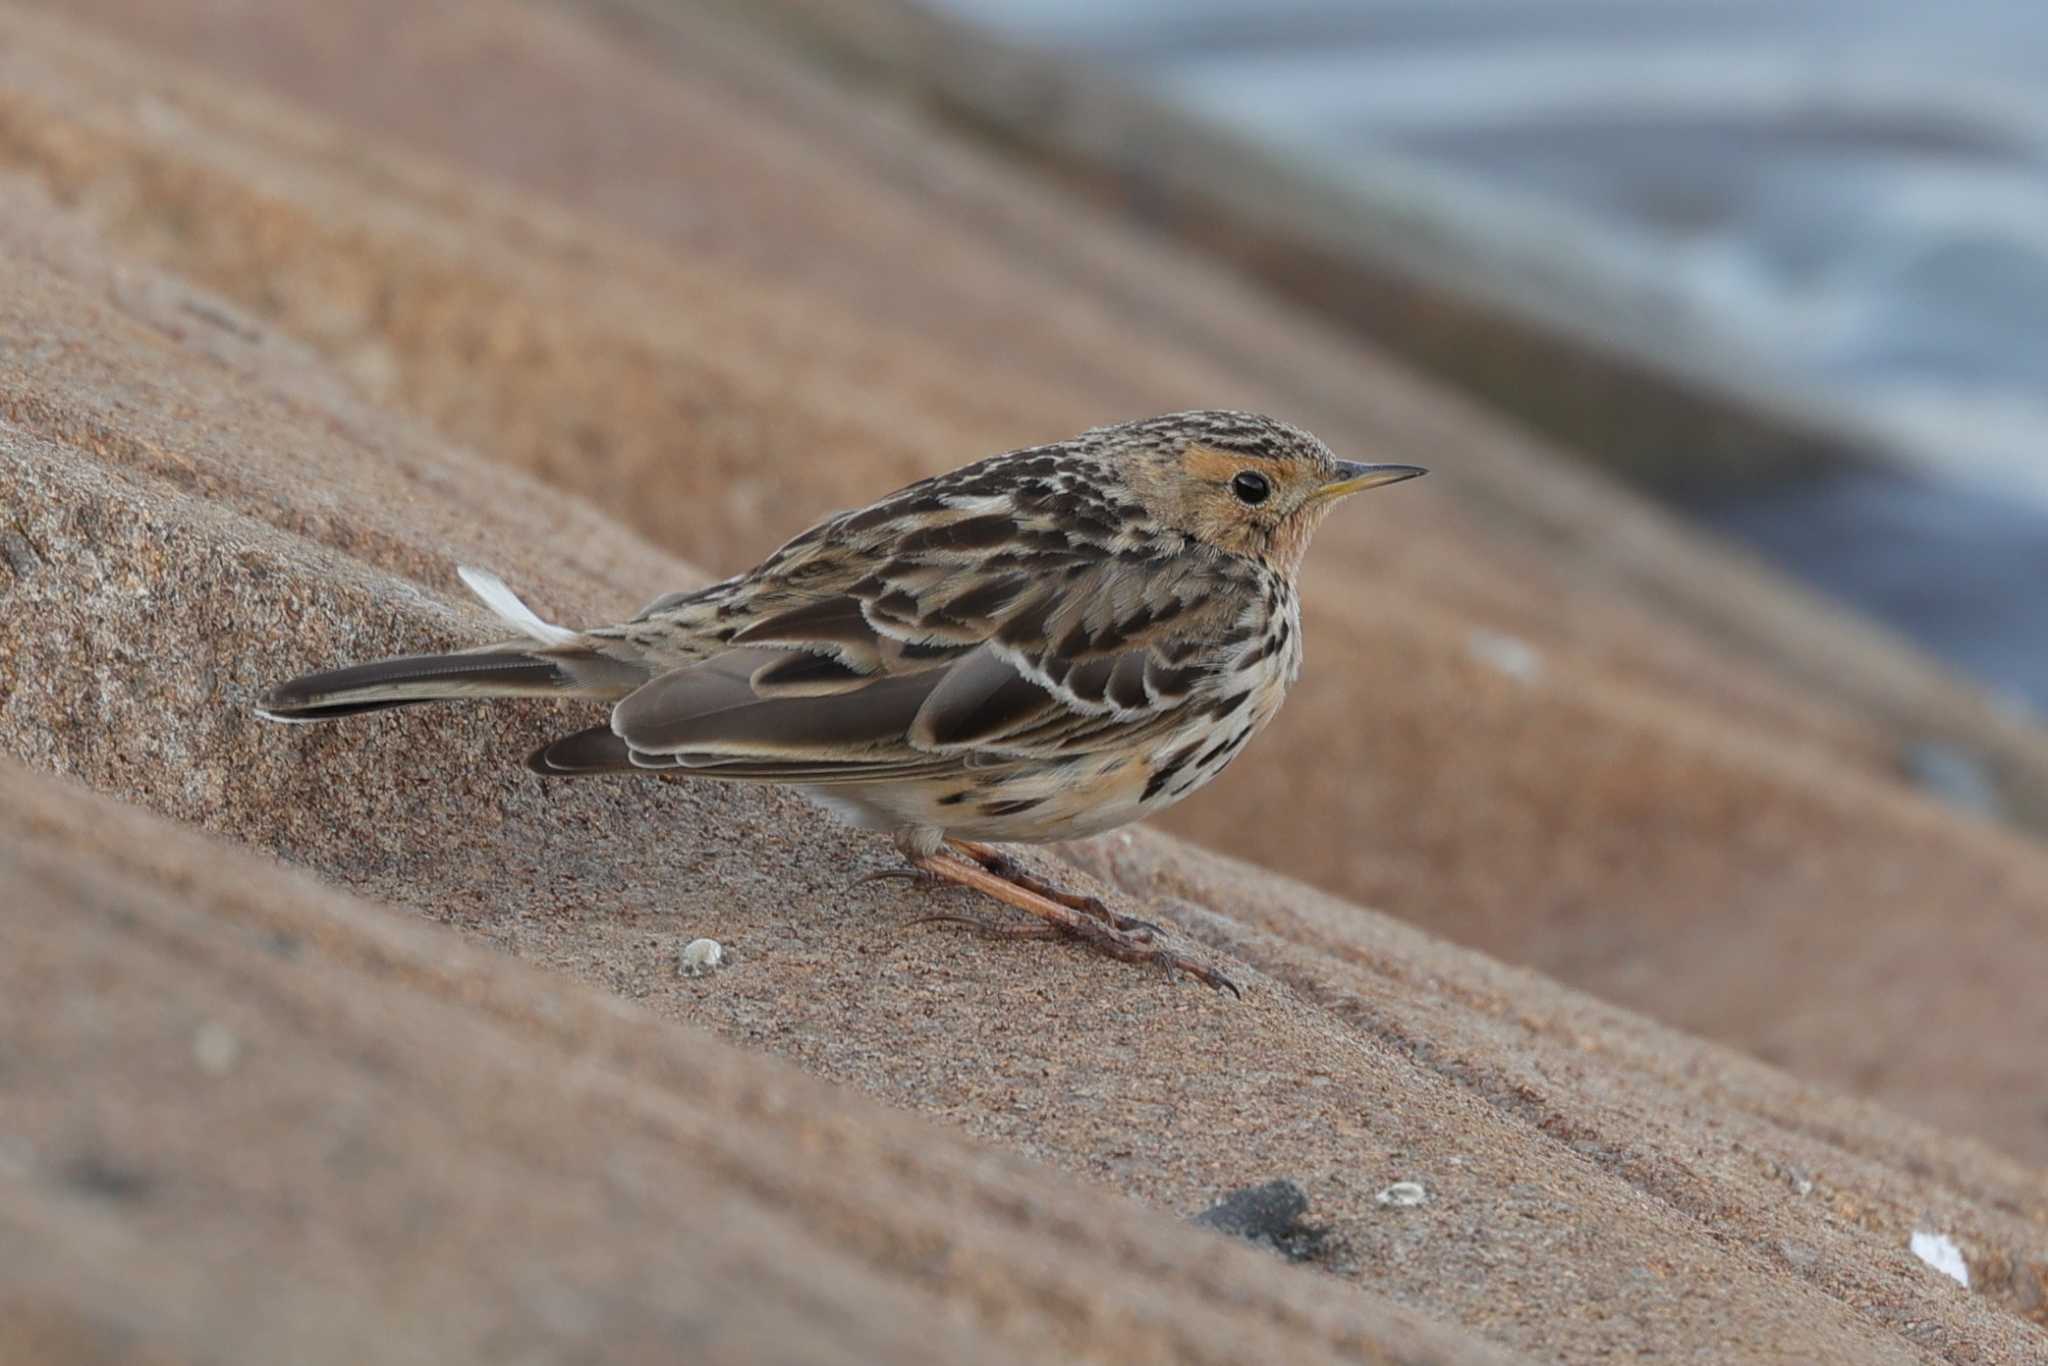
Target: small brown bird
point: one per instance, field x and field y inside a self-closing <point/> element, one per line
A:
<point x="1039" y="646"/>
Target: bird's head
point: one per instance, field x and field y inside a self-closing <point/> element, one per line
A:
<point x="1243" y="483"/>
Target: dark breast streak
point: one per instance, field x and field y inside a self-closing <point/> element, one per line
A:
<point x="1246" y="694"/>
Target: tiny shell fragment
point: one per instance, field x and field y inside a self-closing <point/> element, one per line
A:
<point x="1403" y="1195"/>
<point x="701" y="957"/>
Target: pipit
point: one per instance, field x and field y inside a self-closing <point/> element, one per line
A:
<point x="1039" y="646"/>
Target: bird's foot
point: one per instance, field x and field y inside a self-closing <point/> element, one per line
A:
<point x="1123" y="938"/>
<point x="1011" y="871"/>
<point x="1142" y="947"/>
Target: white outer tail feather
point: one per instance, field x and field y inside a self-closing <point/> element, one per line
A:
<point x="282" y="720"/>
<point x="491" y="590"/>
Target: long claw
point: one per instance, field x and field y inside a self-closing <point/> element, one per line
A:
<point x="909" y="874"/>
<point x="1117" y="936"/>
<point x="1009" y="870"/>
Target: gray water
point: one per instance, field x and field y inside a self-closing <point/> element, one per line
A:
<point x="1851" y="193"/>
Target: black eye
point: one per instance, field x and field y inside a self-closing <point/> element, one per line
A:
<point x="1250" y="487"/>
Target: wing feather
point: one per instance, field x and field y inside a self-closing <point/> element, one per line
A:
<point x="961" y="647"/>
<point x="711" y="708"/>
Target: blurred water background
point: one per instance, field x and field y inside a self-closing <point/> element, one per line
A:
<point x="1851" y="195"/>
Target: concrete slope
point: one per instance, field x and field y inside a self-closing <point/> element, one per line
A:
<point x="317" y="1132"/>
<point x="217" y="1075"/>
<point x="714" y="294"/>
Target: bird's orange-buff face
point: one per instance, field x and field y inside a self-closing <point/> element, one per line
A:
<point x="1264" y="507"/>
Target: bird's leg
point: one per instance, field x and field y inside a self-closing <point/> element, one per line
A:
<point x="1007" y="868"/>
<point x="1101" y="935"/>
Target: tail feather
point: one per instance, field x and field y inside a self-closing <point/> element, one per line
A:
<point x="595" y="750"/>
<point x="491" y="590"/>
<point x="554" y="666"/>
<point x="420" y="678"/>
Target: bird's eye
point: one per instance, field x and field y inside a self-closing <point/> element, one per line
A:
<point x="1250" y="487"/>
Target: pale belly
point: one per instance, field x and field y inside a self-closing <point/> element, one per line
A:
<point x="1062" y="802"/>
<point x="1037" y="803"/>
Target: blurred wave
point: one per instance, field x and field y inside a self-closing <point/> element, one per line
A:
<point x="1856" y="189"/>
<point x="1852" y="194"/>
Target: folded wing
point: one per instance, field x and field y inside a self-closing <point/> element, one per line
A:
<point x="917" y="673"/>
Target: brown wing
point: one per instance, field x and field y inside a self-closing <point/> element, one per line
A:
<point x="1000" y="610"/>
<point x="909" y="672"/>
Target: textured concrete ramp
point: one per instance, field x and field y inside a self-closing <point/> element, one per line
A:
<point x="240" y="350"/>
<point x="714" y="294"/>
<point x="178" y="528"/>
<point x="316" y="1133"/>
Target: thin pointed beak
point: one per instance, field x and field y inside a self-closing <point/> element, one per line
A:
<point x="1353" y="477"/>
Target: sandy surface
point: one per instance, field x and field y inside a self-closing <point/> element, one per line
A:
<point x="278" y="349"/>
<point x="316" y="1132"/>
<point x="1509" y="731"/>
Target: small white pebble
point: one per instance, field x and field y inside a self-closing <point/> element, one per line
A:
<point x="1403" y="1195"/>
<point x="215" y="1048"/>
<point x="701" y="957"/>
<point x="1939" y="1251"/>
<point x="1512" y="655"/>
